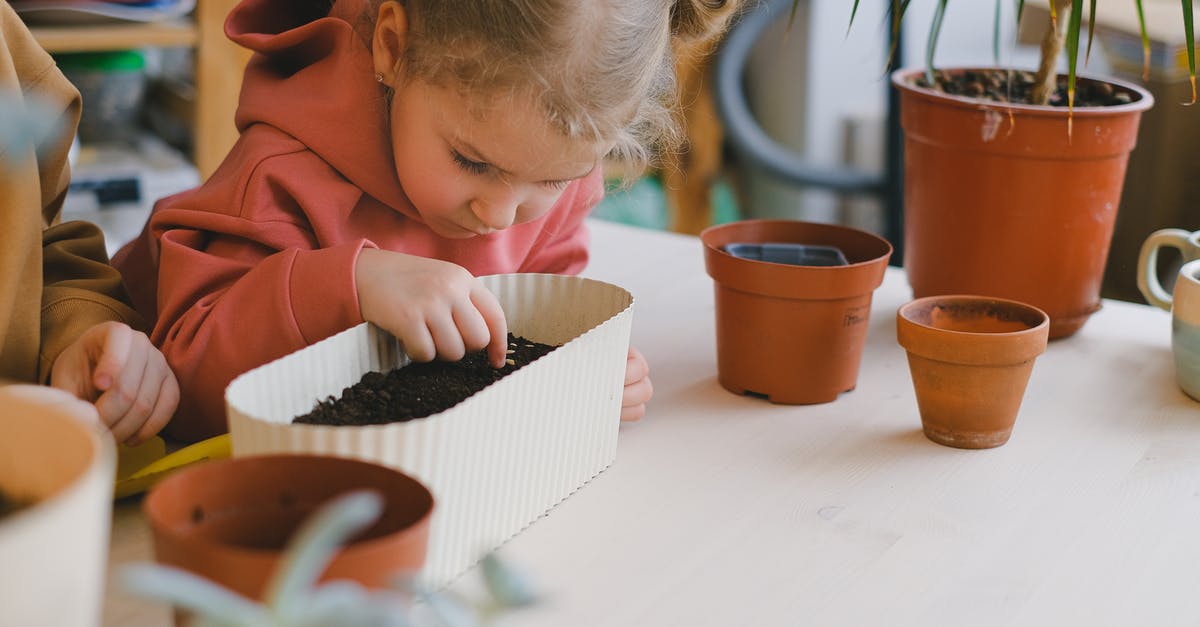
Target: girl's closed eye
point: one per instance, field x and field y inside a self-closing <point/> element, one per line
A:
<point x="557" y="185"/>
<point x="467" y="165"/>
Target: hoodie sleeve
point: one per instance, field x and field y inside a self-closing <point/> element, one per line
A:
<point x="239" y="288"/>
<point x="48" y="297"/>
<point x="562" y="248"/>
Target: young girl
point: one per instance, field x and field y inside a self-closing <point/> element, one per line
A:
<point x="389" y="153"/>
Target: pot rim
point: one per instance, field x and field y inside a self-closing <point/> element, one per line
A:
<point x="175" y="535"/>
<point x="900" y="79"/>
<point x="707" y="235"/>
<point x="100" y="455"/>
<point x="973" y="298"/>
<point x="968" y="347"/>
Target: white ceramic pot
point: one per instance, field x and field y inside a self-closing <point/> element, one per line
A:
<point x="53" y="552"/>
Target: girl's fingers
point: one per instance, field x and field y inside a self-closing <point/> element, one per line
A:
<point x="447" y="341"/>
<point x="109" y="346"/>
<point x="638" y="393"/>
<point x="497" y="325"/>
<point x="417" y="342"/>
<point x="636" y="367"/>
<point x="166" y="400"/>
<point x="632" y="414"/>
<point x="122" y="395"/>
<point x="471" y="326"/>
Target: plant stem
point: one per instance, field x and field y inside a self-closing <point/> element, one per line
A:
<point x="1046" y="81"/>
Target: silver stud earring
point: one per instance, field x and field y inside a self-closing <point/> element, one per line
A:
<point x="379" y="77"/>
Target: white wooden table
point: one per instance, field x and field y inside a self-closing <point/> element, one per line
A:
<point x="729" y="511"/>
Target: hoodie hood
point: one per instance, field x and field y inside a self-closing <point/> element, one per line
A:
<point x="312" y="76"/>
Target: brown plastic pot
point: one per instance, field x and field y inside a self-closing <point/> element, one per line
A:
<point x="793" y="334"/>
<point x="230" y="520"/>
<point x="1002" y="200"/>
<point x="970" y="358"/>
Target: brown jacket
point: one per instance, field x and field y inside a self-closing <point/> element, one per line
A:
<point x="55" y="281"/>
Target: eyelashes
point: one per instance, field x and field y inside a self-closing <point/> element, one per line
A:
<point x="468" y="166"/>
<point x="478" y="167"/>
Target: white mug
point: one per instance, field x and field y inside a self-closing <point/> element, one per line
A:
<point x="1185" y="328"/>
<point x="1187" y="243"/>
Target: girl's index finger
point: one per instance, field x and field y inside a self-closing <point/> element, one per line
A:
<point x="113" y="344"/>
<point x="497" y="325"/>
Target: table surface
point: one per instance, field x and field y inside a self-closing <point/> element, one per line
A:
<point x="724" y="510"/>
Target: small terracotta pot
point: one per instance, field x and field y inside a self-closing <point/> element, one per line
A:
<point x="793" y="334"/>
<point x="58" y="460"/>
<point x="970" y="359"/>
<point x="229" y="521"/>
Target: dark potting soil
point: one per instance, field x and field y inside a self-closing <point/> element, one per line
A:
<point x="420" y="389"/>
<point x="1016" y="86"/>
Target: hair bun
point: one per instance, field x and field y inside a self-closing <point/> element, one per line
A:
<point x="700" y="19"/>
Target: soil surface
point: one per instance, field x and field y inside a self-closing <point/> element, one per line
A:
<point x="419" y="389"/>
<point x="1015" y="86"/>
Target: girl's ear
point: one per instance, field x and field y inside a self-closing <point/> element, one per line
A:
<point x="389" y="41"/>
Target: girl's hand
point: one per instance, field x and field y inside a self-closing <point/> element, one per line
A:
<point x="124" y="376"/>
<point x="638" y="388"/>
<point x="435" y="308"/>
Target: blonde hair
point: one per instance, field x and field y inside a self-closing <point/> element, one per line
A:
<point x="602" y="70"/>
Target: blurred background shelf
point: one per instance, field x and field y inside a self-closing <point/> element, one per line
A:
<point x="117" y="36"/>
<point x="217" y="68"/>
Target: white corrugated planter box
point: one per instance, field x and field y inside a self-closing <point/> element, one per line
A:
<point x="498" y="460"/>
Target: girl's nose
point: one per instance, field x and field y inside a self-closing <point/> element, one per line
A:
<point x="496" y="214"/>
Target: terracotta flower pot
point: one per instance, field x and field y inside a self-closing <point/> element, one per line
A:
<point x="229" y="521"/>
<point x="1000" y="200"/>
<point x="793" y="334"/>
<point x="53" y="550"/>
<point x="970" y="359"/>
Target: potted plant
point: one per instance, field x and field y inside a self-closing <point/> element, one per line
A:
<point x="230" y="520"/>
<point x="1013" y="179"/>
<point x="295" y="595"/>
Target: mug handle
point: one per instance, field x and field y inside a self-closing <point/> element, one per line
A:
<point x="1147" y="272"/>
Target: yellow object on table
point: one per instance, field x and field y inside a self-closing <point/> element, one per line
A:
<point x="140" y="467"/>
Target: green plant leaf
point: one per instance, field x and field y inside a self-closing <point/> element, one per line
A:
<point x="996" y="35"/>
<point x="1190" y="35"/>
<point x="1145" y="40"/>
<point x="896" y="9"/>
<point x="1072" y="46"/>
<point x="935" y="29"/>
<point x="507" y="586"/>
<point x="313" y="546"/>
<point x="1091" y="32"/>
<point x="853" y="12"/>
<point x="206" y="599"/>
<point x="1021" y="11"/>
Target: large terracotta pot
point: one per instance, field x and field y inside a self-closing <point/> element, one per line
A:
<point x="970" y="358"/>
<point x="229" y="521"/>
<point x="53" y="551"/>
<point x="1000" y="200"/>
<point x="791" y="333"/>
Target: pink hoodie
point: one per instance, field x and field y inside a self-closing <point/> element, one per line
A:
<point x="259" y="260"/>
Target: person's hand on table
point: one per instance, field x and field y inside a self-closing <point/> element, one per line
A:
<point x="127" y="379"/>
